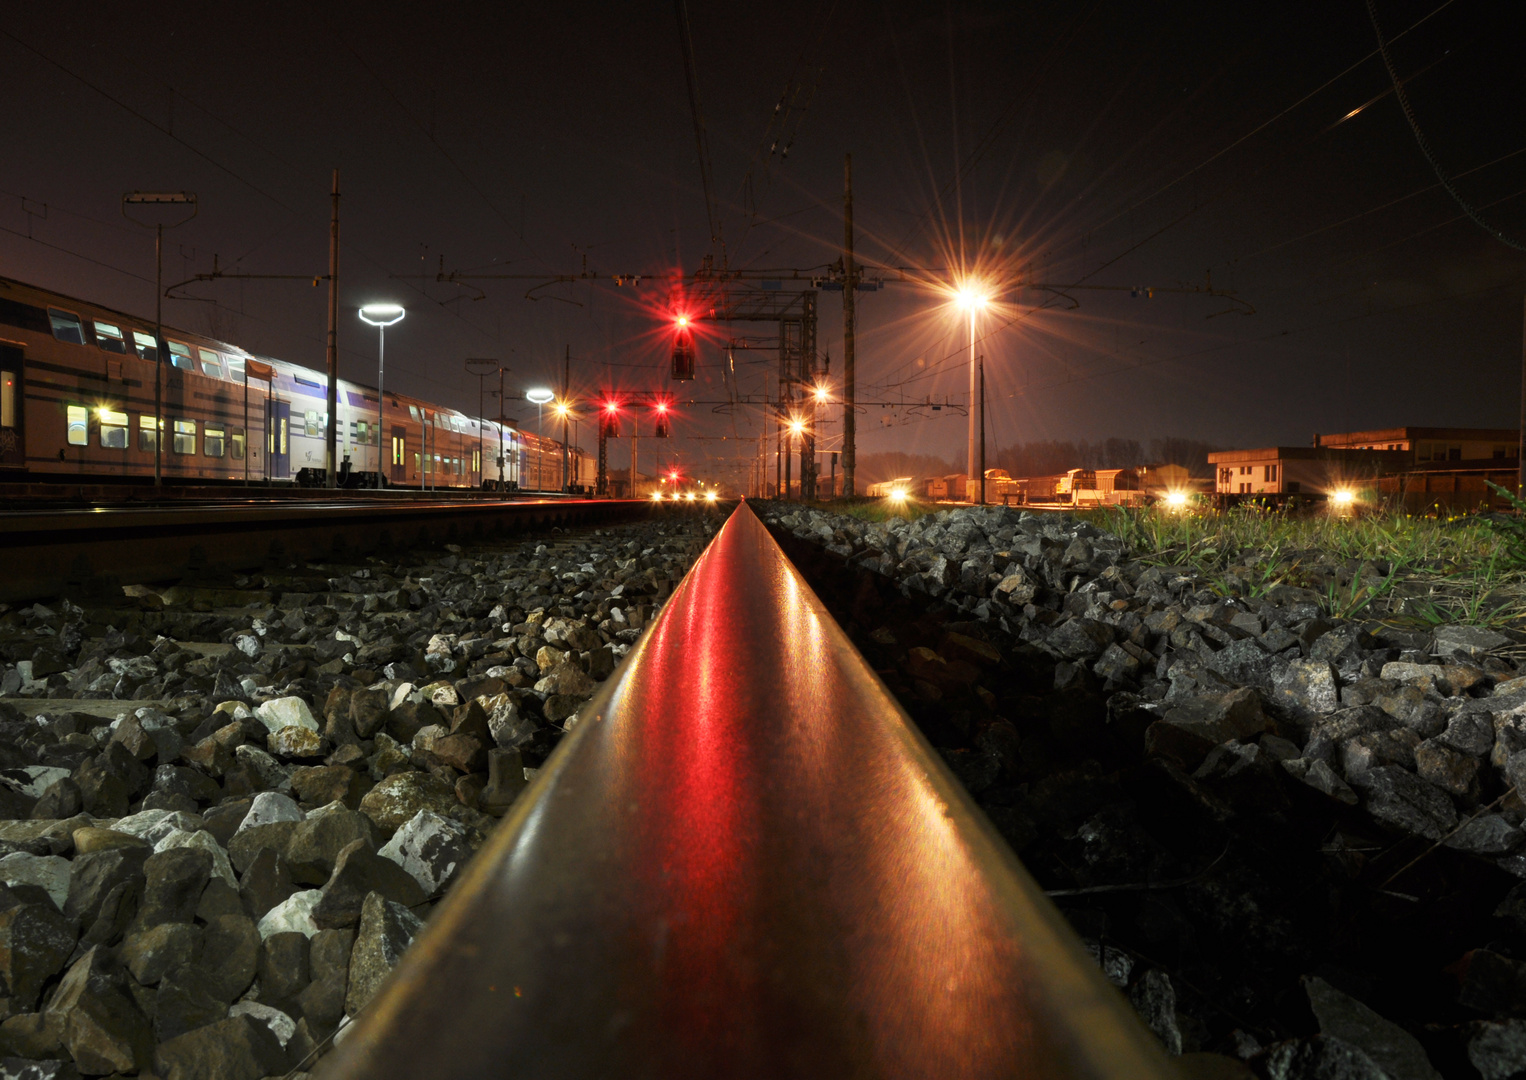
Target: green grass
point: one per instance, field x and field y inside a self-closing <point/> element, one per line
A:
<point x="878" y="509"/>
<point x="1411" y="570"/>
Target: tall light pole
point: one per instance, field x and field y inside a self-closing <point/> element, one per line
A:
<point x="539" y="397"/>
<point x="161" y="198"/>
<point x="971" y="300"/>
<point x="381" y="316"/>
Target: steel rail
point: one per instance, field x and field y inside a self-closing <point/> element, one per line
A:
<point x="744" y="861"/>
<point x="79" y="552"/>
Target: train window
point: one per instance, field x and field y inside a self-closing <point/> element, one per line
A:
<point x="308" y="382"/>
<point x="476" y="461"/>
<point x="66" y="326"/>
<point x="113" y="429"/>
<point x="185" y="437"/>
<point x="144" y="343"/>
<point x="397" y="449"/>
<point x="146" y="440"/>
<point x="180" y="356"/>
<point x="109" y="337"/>
<point x="7" y="399"/>
<point x="236" y="443"/>
<point x="413" y="411"/>
<point x="213" y="440"/>
<point x="313" y="426"/>
<point x="235" y="366"/>
<point x="211" y="363"/>
<point x="79" y="426"/>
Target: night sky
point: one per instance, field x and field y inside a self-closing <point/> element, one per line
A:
<point x="1115" y="144"/>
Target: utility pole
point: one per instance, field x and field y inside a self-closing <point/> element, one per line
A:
<point x="566" y="380"/>
<point x="173" y="198"/>
<point x="850" y="279"/>
<point x="633" y="459"/>
<point x="1520" y="478"/>
<point x="503" y="474"/>
<point x="982" y="431"/>
<point x="331" y="466"/>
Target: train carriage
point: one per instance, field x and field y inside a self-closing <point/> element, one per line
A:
<point x="77" y="401"/>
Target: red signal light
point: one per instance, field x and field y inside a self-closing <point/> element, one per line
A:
<point x="683" y="320"/>
<point x="662" y="406"/>
<point x="612" y="406"/>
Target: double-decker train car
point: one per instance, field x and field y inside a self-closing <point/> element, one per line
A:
<point x="77" y="401"/>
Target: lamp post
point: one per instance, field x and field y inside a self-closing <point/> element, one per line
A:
<point x="972" y="301"/>
<point x="539" y="397"/>
<point x="381" y="316"/>
<point x="161" y="198"/>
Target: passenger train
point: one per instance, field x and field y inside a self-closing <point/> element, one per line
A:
<point x="77" y="401"/>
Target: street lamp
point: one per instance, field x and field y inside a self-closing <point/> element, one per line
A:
<point x="539" y="397"/>
<point x="381" y="316"/>
<point x="972" y="300"/>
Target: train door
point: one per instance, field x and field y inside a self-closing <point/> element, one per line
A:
<point x="278" y="438"/>
<point x="12" y="410"/>
<point x="399" y="457"/>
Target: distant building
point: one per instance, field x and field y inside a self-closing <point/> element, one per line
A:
<point x="1426" y="444"/>
<point x="1301" y="470"/>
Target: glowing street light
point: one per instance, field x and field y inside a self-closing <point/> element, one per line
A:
<point x="823" y="394"/>
<point x="540" y="397"/>
<point x="1176" y="499"/>
<point x="972" y="299"/>
<point x="382" y="316"/>
<point x="1343" y="498"/>
<point x="796" y="426"/>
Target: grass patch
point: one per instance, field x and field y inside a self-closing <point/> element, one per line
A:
<point x="1383" y="565"/>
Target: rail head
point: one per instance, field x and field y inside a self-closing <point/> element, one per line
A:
<point x="745" y="861"/>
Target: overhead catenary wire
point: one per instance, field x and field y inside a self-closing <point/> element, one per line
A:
<point x="1425" y="145"/>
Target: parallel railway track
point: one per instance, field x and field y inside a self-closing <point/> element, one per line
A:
<point x="744" y="861"/>
<point x="87" y="550"/>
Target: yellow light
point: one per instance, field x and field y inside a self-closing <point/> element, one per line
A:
<point x="797" y="426"/>
<point x="562" y="408"/>
<point x="1343" y="496"/>
<point x="821" y="394"/>
<point x="1176" y="499"/>
<point x="898" y="495"/>
<point x="710" y="496"/>
<point x="657" y="496"/>
<point x="689" y="496"/>
<point x="970" y="299"/>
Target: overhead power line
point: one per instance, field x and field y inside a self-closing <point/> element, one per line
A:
<point x="1425" y="144"/>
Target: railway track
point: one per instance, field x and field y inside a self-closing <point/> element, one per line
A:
<point x="91" y="549"/>
<point x="745" y="861"/>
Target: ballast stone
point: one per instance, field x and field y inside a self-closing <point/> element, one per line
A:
<point x="286" y="712"/>
<point x="431" y="848"/>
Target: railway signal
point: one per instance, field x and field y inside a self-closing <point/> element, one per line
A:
<point x="683" y="350"/>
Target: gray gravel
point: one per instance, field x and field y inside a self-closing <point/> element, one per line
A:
<point x="227" y="806"/>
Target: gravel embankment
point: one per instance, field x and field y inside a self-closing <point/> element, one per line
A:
<point x="1292" y="840"/>
<point x="229" y="806"/>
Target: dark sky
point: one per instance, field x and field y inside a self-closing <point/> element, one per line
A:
<point x="1117" y="144"/>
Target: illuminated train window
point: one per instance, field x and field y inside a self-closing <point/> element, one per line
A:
<point x="109" y="337"/>
<point x="144" y="344"/>
<point x="185" y="437"/>
<point x="213" y="440"/>
<point x="113" y="429"/>
<point x="146" y="440"/>
<point x="7" y="399"/>
<point x="66" y="326"/>
<point x="236" y="443"/>
<point x="78" y="420"/>
<point x="180" y="356"/>
<point x="211" y="363"/>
